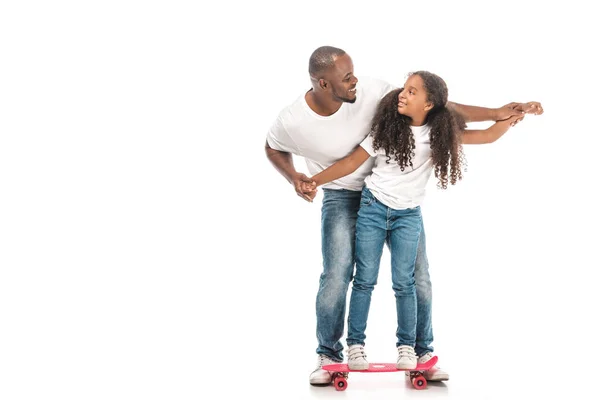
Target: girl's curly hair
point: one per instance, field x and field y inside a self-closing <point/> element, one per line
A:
<point x="391" y="131"/>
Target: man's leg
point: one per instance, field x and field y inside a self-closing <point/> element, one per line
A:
<point x="338" y="227"/>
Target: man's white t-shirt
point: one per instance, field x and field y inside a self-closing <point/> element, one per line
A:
<point x="324" y="140"/>
<point x="395" y="188"/>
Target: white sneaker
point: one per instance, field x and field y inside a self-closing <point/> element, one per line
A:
<point x="357" y="358"/>
<point x="407" y="358"/>
<point x="434" y="374"/>
<point x="319" y="376"/>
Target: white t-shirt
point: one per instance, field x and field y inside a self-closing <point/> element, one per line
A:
<point x="324" y="140"/>
<point x="395" y="188"/>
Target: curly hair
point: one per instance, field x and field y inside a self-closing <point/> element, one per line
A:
<point x="391" y="131"/>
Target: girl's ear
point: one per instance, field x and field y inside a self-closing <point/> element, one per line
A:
<point x="428" y="106"/>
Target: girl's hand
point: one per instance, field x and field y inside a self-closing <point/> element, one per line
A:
<point x="308" y="187"/>
<point x="502" y="127"/>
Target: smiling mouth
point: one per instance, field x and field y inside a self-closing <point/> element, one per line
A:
<point x="352" y="90"/>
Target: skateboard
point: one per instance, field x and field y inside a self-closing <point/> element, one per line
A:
<point x="341" y="371"/>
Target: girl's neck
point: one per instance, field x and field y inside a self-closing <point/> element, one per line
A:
<point x="418" y="121"/>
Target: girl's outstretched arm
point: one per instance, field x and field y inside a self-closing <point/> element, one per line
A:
<point x="489" y="135"/>
<point x="343" y="167"/>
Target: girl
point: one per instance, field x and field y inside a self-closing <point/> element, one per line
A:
<point x="413" y="133"/>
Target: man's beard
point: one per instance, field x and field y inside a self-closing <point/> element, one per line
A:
<point x="344" y="99"/>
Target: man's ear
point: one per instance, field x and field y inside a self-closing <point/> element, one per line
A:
<point x="323" y="84"/>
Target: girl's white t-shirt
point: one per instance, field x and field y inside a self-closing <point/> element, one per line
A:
<point x="395" y="188"/>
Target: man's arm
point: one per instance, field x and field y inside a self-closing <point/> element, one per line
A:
<point x="284" y="164"/>
<point x="477" y="114"/>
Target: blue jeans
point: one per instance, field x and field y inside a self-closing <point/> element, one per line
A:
<point x="401" y="229"/>
<point x="338" y="224"/>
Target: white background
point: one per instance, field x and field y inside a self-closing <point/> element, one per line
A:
<point x="149" y="250"/>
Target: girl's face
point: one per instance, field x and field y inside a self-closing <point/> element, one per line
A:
<point x="412" y="100"/>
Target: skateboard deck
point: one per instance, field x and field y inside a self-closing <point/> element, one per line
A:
<point x="341" y="371"/>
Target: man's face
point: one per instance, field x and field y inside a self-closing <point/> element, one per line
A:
<point x="342" y="80"/>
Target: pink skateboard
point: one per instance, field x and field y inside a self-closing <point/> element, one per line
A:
<point x="340" y="372"/>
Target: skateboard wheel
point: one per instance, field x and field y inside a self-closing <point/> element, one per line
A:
<point x="419" y="382"/>
<point x="340" y="383"/>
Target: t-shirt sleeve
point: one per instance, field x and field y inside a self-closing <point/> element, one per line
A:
<point x="367" y="144"/>
<point x="279" y="139"/>
<point x="385" y="88"/>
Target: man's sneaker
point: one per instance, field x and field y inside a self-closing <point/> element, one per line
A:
<point x="407" y="358"/>
<point x="434" y="374"/>
<point x="319" y="376"/>
<point x="357" y="358"/>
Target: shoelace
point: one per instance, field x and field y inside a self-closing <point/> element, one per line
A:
<point x="356" y="353"/>
<point x="406" y="351"/>
<point x="425" y="357"/>
<point x="323" y="360"/>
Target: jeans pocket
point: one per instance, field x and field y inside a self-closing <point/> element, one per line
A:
<point x="366" y="199"/>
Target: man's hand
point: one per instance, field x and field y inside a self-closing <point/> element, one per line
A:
<point x="508" y="111"/>
<point x="311" y="194"/>
<point x="518" y="109"/>
<point x="301" y="182"/>
<point x="533" y="107"/>
<point x="309" y="188"/>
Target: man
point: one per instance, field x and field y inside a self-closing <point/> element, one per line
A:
<point x="323" y="126"/>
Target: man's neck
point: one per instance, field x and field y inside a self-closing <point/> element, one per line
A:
<point x="321" y="106"/>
